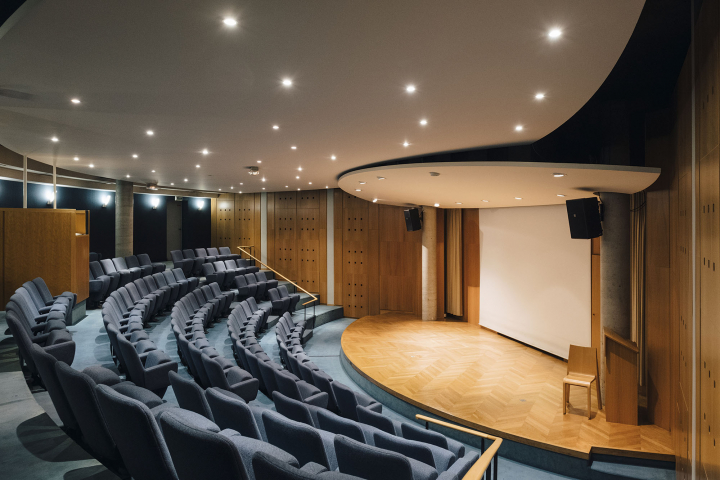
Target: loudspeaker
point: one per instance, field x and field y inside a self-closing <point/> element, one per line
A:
<point x="584" y="217"/>
<point x="412" y="219"/>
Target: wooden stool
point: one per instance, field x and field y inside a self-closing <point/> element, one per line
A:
<point x="582" y="370"/>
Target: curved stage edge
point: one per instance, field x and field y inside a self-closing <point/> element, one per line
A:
<point x="379" y="353"/>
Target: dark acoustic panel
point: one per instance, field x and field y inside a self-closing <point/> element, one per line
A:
<point x="584" y="218"/>
<point x="150" y="225"/>
<point x="412" y="219"/>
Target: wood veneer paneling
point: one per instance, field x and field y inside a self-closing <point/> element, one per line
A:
<point x="471" y="264"/>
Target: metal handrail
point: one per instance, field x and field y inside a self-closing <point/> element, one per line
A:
<point x="488" y="461"/>
<point x="314" y="298"/>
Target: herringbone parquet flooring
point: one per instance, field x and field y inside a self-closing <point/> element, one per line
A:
<point x="478" y="378"/>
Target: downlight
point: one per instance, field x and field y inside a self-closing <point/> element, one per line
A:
<point x="253" y="170"/>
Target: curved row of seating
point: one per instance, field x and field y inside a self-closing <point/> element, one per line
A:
<point x="108" y="275"/>
<point x="191" y="261"/>
<point x="36" y="318"/>
<point x="229" y="274"/>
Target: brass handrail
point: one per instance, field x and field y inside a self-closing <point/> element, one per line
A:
<point x="477" y="471"/>
<point x="314" y="298"/>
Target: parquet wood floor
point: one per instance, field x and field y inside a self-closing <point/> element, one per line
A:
<point x="477" y="378"/>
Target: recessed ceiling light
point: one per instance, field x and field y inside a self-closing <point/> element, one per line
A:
<point x="410" y="88"/>
<point x="458" y="203"/>
<point x="239" y="192"/>
<point x="276" y="127"/>
<point x="263" y="188"/>
<point x="437" y="204"/>
<point x="381" y="178"/>
<point x="197" y="166"/>
<point x="326" y="186"/>
<point x="299" y="169"/>
<point x="135" y="155"/>
<point x="127" y="176"/>
<point x="230" y="22"/>
<point x="286" y="186"/>
<point x="362" y="183"/>
<point x="205" y="151"/>
<point x="309" y="183"/>
<point x="153" y="171"/>
<point x="263" y="179"/>
<point x="171" y="183"/>
<point x="358" y="190"/>
<point x="259" y="161"/>
<point x="298" y="189"/>
<point x="518" y="198"/>
<point x="75" y="101"/>
<point x="518" y="128"/>
<point x="241" y="183"/>
<point x="150" y="133"/>
<point x="539" y="96"/>
<point x="231" y="187"/>
<point x="185" y="180"/>
<point x="92" y="166"/>
<point x="297" y="177"/>
<point x="287" y="82"/>
<point x="294" y="147"/>
<point x="333" y="157"/>
<point x="423" y="122"/>
<point x="486" y="201"/>
<point x="55" y="139"/>
<point x="374" y="200"/>
<point x="559" y="175"/>
<point x="76" y="158"/>
<point x="554" y="33"/>
<point x="406" y="143"/>
<point x="560" y="195"/>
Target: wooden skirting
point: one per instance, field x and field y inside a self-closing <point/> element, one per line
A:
<point x="482" y="380"/>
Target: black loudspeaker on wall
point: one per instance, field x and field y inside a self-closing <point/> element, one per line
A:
<point x="412" y="219"/>
<point x="584" y="217"/>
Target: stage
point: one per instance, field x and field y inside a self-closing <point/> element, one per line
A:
<point x="477" y="378"/>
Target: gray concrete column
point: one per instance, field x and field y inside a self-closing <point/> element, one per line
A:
<point x="429" y="264"/>
<point x="123" y="218"/>
<point x="615" y="265"/>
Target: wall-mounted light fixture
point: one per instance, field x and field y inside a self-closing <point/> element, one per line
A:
<point x="155" y="202"/>
<point x="106" y="200"/>
<point x="50" y="196"/>
<point x="200" y="204"/>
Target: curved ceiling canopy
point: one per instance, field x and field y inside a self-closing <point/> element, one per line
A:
<point x="492" y="184"/>
<point x="200" y="83"/>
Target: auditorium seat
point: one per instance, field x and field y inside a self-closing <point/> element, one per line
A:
<point x="438" y="458"/>
<point x="294" y="297"/>
<point x="245" y="289"/>
<point x="212" y="275"/>
<point x="150" y="371"/>
<point x="300" y="390"/>
<point x="179" y="289"/>
<point x="267" y="466"/>
<point x="180" y="277"/>
<point x="99" y="287"/>
<point x="135" y="431"/>
<point x="25" y="309"/>
<point x="347" y="401"/>
<point x="233" y="379"/>
<point x="279" y="305"/>
<point x="94" y="257"/>
<point x="248" y="265"/>
<point x="157" y="267"/>
<point x="96" y="271"/>
<point x="369" y="416"/>
<point x="417" y="433"/>
<point x="228" y="253"/>
<point x="169" y="292"/>
<point x="213" y="252"/>
<point x="304" y="442"/>
<point x="323" y="382"/>
<point x="198" y="261"/>
<point x="48" y="298"/>
<point x="132" y="262"/>
<point x="202" y="253"/>
<point x="231" y="411"/>
<point x="61" y="304"/>
<point x="200" y="450"/>
<point x="121" y="265"/>
<point x="269" y="282"/>
<point x="187" y="265"/>
<point x="46" y="368"/>
<point x="229" y="280"/>
<point x="190" y="396"/>
<point x="108" y="267"/>
<point x="297" y="411"/>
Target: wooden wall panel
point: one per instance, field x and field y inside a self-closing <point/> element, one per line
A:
<point x="224" y="220"/>
<point x="308" y="239"/>
<point x="440" y="266"/>
<point x="471" y="264"/>
<point x="287" y="257"/>
<point x="244" y="228"/>
<point x="271" y="251"/>
<point x="322" y="246"/>
<point x="338" y="212"/>
<point x="213" y="221"/>
<point x="595" y="324"/>
<point x="257" y="225"/>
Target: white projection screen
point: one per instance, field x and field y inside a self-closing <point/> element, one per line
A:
<point x="535" y="281"/>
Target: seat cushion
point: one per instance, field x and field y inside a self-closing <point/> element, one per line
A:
<point x="58" y="336"/>
<point x="102" y="376"/>
<point x="140" y="394"/>
<point x="160" y="409"/>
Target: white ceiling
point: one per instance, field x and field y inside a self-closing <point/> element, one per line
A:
<point x="172" y="66"/>
<point x="470" y="183"/>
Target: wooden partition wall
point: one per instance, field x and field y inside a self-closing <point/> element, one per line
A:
<point x="46" y="243"/>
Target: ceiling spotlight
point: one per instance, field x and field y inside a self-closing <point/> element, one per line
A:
<point x="458" y="203"/>
<point x="185" y="180"/>
<point x="410" y="88"/>
<point x="554" y="33"/>
<point x="231" y="187"/>
<point x="423" y="122"/>
<point x="241" y="183"/>
<point x="406" y="143"/>
<point x="286" y="186"/>
<point x="559" y="175"/>
<point x="92" y="166"/>
<point x="374" y="199"/>
<point x="263" y="188"/>
<point x="197" y="166"/>
<point x="297" y="177"/>
<point x="486" y="201"/>
<point x="76" y="158"/>
<point x="153" y="171"/>
<point x="518" y="198"/>
<point x="358" y="190"/>
<point x="326" y="186"/>
<point x="127" y="176"/>
<point x="230" y="22"/>
<point x="309" y="183"/>
<point x="239" y="192"/>
<point x="560" y="195"/>
<point x="298" y="189"/>
<point x="205" y="151"/>
<point x="276" y="127"/>
<point x="219" y="189"/>
<point x="434" y="174"/>
<point x="263" y="179"/>
<point x="75" y="100"/>
<point x="539" y="96"/>
<point x="259" y="161"/>
<point x="134" y="155"/>
<point x="294" y="147"/>
<point x="299" y="169"/>
<point x="150" y="133"/>
<point x="518" y="128"/>
<point x="171" y="183"/>
<point x="381" y="178"/>
<point x="286" y="82"/>
<point x="362" y="183"/>
<point x="437" y="204"/>
<point x="55" y="139"/>
<point x="333" y="157"/>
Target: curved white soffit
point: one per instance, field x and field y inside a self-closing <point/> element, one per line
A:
<point x="492" y="184"/>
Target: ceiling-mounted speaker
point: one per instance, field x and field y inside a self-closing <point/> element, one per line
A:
<point x="412" y="219"/>
<point x="584" y="217"/>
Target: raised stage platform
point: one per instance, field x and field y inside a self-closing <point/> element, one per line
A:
<point x="475" y="377"/>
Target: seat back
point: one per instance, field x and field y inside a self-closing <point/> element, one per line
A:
<point x="22" y="337"/>
<point x="225" y="251"/>
<point x="293" y="409"/>
<point x="338" y="425"/>
<point x="144" y="259"/>
<point x="190" y="395"/>
<point x="212" y="251"/>
<point x="374" y="419"/>
<point x="108" y="265"/>
<point x="230" y="411"/>
<point x="582" y="360"/>
<point x="46" y="368"/>
<point x="220" y="266"/>
<point x="96" y="270"/>
<point x="346" y="400"/>
<point x="119" y="263"/>
<point x="80" y="392"/>
<point x="365" y="461"/>
<point x="196" y="358"/>
<point x="230" y="265"/>
<point x="134" y="430"/>
<point x="215" y="373"/>
<point x="282" y="290"/>
<point x="201" y="252"/>
<point x="132" y="261"/>
<point x="177" y="256"/>
<point x="188" y="253"/>
<point x="131" y="361"/>
<point x="269" y="376"/>
<point x="34" y="294"/>
<point x="161" y="279"/>
<point x="299" y="440"/>
<point x="261" y="276"/>
<point x="197" y="450"/>
<point x="43" y="290"/>
<point x="414" y="432"/>
<point x="94" y="257"/>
